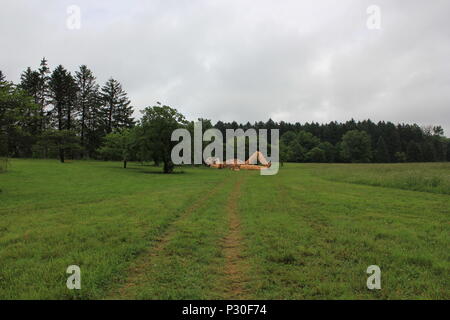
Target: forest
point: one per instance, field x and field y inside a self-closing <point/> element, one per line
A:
<point x="65" y="115"/>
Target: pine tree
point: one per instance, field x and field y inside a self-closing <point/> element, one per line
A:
<point x="2" y="77"/>
<point x="428" y="151"/>
<point x="29" y="82"/>
<point x="413" y="152"/>
<point x="96" y="124"/>
<point x="118" y="112"/>
<point x="448" y="149"/>
<point x="63" y="93"/>
<point x="87" y="100"/>
<point x="43" y="92"/>
<point x="382" y="153"/>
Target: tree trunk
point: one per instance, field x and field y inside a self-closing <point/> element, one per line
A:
<point x="124" y="164"/>
<point x="83" y="120"/>
<point x="61" y="155"/>
<point x="168" y="166"/>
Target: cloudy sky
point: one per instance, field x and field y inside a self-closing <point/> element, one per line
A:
<point x="249" y="60"/>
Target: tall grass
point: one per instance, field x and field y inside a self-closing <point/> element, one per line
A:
<point x="425" y="177"/>
<point x="3" y="164"/>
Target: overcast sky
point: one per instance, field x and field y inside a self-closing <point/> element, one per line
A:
<point x="249" y="60"/>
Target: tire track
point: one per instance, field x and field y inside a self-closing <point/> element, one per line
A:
<point x="143" y="262"/>
<point x="235" y="267"/>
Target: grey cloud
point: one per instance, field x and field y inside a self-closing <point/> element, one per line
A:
<point x="249" y="60"/>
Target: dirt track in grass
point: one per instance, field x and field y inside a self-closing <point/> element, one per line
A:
<point x="233" y="247"/>
<point x="143" y="263"/>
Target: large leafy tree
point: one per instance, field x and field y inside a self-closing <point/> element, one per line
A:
<point x="356" y="146"/>
<point x="59" y="142"/>
<point x="316" y="154"/>
<point x="120" y="145"/>
<point x="329" y="150"/>
<point x="18" y="116"/>
<point x="158" y="123"/>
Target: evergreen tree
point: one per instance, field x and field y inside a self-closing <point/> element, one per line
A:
<point x="382" y="153"/>
<point x="63" y="94"/>
<point x="96" y="124"/>
<point x="117" y="107"/>
<point x="413" y="152"/>
<point x="87" y="100"/>
<point x="29" y="81"/>
<point x="448" y="149"/>
<point x="428" y="151"/>
<point x="43" y="93"/>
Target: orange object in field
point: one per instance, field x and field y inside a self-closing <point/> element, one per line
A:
<point x="237" y="164"/>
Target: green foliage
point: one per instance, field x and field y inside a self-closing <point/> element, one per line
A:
<point x="60" y="142"/>
<point x="158" y="123"/>
<point x="400" y="157"/>
<point x="330" y="151"/>
<point x="119" y="145"/>
<point x="428" y="151"/>
<point x="63" y="92"/>
<point x="45" y="100"/>
<point x="316" y="154"/>
<point x="382" y="152"/>
<point x="117" y="109"/>
<point x="295" y="146"/>
<point x="413" y="152"/>
<point x="88" y="106"/>
<point x="448" y="149"/>
<point x="18" y="119"/>
<point x="356" y="146"/>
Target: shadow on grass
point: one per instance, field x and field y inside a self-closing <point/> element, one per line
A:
<point x="145" y="170"/>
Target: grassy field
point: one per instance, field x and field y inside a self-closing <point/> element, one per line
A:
<point x="309" y="232"/>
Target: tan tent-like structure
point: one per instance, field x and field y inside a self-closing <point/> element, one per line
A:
<point x="237" y="164"/>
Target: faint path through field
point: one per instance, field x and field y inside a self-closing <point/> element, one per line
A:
<point x="143" y="263"/>
<point x="233" y="247"/>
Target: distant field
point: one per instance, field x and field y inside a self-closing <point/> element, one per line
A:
<point x="426" y="177"/>
<point x="309" y="232"/>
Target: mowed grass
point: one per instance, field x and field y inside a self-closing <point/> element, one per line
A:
<point x="309" y="232"/>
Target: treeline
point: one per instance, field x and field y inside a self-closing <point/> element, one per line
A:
<point x="351" y="141"/>
<point x="59" y="114"/>
<point x="57" y="108"/>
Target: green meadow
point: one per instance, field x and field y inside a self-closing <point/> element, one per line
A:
<point x="309" y="232"/>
